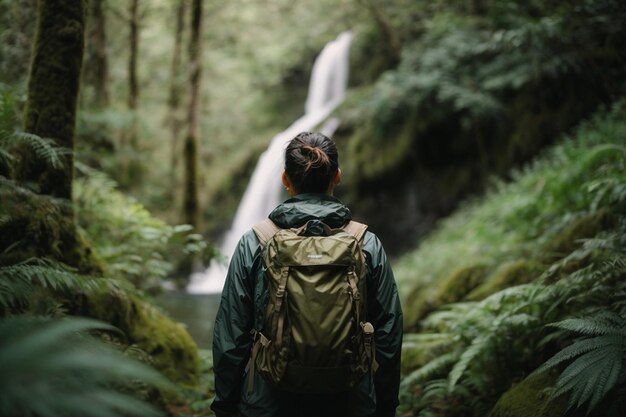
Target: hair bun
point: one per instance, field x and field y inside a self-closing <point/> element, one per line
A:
<point x="317" y="157"/>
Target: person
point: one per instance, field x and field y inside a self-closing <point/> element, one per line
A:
<point x="311" y="172"/>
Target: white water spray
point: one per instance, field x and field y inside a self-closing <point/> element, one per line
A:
<point x="327" y="90"/>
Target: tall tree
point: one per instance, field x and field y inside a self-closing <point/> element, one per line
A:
<point x="133" y="84"/>
<point x="191" y="208"/>
<point x="96" y="66"/>
<point x="176" y="87"/>
<point x="53" y="90"/>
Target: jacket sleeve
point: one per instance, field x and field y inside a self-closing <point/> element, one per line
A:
<point x="231" y="334"/>
<point x="385" y="314"/>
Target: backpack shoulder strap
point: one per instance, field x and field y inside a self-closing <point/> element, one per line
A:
<point x="356" y="229"/>
<point x="265" y="230"/>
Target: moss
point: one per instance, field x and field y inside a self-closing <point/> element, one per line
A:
<point x="459" y="283"/>
<point x="453" y="288"/>
<point x="40" y="226"/>
<point x="170" y="346"/>
<point x="374" y="156"/>
<point x="507" y="275"/>
<point x="416" y="306"/>
<point x="529" y="399"/>
<point x="53" y="90"/>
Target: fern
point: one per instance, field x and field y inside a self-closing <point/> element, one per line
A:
<point x="50" y="368"/>
<point x="10" y="138"/>
<point x="432" y="368"/>
<point x="478" y="346"/>
<point x="19" y="282"/>
<point x="599" y="357"/>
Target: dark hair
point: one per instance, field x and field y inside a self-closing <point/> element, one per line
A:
<point x="311" y="162"/>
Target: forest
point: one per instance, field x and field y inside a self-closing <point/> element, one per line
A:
<point x="483" y="141"/>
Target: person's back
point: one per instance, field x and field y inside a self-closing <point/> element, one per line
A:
<point x="310" y="174"/>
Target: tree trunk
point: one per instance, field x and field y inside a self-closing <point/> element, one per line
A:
<point x="96" y="67"/>
<point x="129" y="167"/>
<point x="191" y="209"/>
<point x="133" y="85"/>
<point x="175" y="89"/>
<point x="53" y="90"/>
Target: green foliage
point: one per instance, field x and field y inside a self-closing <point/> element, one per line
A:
<point x="502" y="338"/>
<point x="596" y="359"/>
<point x="519" y="219"/>
<point x="469" y="66"/>
<point x="52" y="368"/>
<point x="135" y="245"/>
<point x="22" y="284"/>
<point x="198" y="399"/>
<point x="11" y="138"/>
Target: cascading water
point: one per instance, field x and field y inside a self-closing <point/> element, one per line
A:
<point x="327" y="90"/>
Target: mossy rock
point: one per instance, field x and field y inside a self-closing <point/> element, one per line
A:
<point x="416" y="306"/>
<point x="455" y="287"/>
<point x="170" y="346"/>
<point x="459" y="283"/>
<point x="507" y="275"/>
<point x="529" y="399"/>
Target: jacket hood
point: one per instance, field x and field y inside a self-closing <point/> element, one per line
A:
<point x="304" y="207"/>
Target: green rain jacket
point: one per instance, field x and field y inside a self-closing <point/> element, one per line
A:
<point x="243" y="302"/>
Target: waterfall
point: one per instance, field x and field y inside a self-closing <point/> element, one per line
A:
<point x="327" y="89"/>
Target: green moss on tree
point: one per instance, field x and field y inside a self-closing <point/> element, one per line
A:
<point x="53" y="90"/>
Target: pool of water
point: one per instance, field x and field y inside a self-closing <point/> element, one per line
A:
<point x="196" y="311"/>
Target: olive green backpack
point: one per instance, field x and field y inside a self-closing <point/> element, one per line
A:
<point x="315" y="337"/>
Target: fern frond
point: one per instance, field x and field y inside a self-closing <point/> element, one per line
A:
<point x="44" y="148"/>
<point x="520" y="320"/>
<point x="587" y="376"/>
<point x="435" y="388"/>
<point x="18" y="282"/>
<point x="575" y="349"/>
<point x="606" y="381"/>
<point x="434" y="367"/>
<point x="604" y="323"/>
<point x="55" y="368"/>
<point x="5" y="157"/>
<point x="478" y="346"/>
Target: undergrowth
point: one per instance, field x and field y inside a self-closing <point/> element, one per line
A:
<point x="565" y="213"/>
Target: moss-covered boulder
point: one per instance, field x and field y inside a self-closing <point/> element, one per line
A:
<point x="509" y="274"/>
<point x="451" y="289"/>
<point x="529" y="399"/>
<point x="170" y="346"/>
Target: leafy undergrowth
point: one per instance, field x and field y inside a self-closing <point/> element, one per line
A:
<point x="196" y="400"/>
<point x="545" y="247"/>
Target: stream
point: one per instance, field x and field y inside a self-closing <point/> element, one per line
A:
<point x="196" y="311"/>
